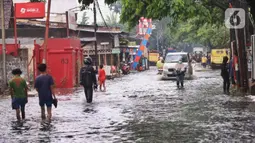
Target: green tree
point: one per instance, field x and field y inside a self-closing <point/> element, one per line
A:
<point x="210" y="35"/>
<point x="116" y="7"/>
<point x="112" y="19"/>
<point x="86" y="3"/>
<point x="84" y="20"/>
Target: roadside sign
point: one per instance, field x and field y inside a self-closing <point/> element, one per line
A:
<point x="71" y="20"/>
<point x="235" y="18"/>
<point x="115" y="51"/>
<point x="30" y="10"/>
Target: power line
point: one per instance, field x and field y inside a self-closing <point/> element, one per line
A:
<point x="103" y="17"/>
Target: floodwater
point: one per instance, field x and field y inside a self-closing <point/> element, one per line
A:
<point x="139" y="108"/>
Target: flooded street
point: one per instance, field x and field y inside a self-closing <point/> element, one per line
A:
<point x="139" y="108"/>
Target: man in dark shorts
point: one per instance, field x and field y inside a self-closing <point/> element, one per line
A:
<point x="18" y="90"/>
<point x="44" y="85"/>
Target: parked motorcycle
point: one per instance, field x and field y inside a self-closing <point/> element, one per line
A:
<point x="125" y="69"/>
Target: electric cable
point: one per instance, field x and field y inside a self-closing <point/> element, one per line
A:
<point x="97" y="4"/>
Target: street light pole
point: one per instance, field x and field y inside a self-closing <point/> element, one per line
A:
<point x="95" y="33"/>
<point x="46" y="32"/>
<point x="3" y="45"/>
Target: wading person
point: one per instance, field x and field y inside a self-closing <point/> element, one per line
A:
<point x="204" y="61"/>
<point x="88" y="79"/>
<point x="180" y="73"/>
<point x="225" y="75"/>
<point x="102" y="78"/>
<point x="160" y="65"/>
<point x="18" y="90"/>
<point x="44" y="85"/>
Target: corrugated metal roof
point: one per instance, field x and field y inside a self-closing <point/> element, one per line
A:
<point x="89" y="28"/>
<point x="23" y="41"/>
<point x="98" y="31"/>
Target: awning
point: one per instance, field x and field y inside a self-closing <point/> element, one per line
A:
<point x="88" y="39"/>
<point x="131" y="47"/>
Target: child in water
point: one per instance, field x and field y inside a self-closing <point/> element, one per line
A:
<point x="18" y="89"/>
<point x="102" y="78"/>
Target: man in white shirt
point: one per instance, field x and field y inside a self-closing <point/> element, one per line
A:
<point x="180" y="73"/>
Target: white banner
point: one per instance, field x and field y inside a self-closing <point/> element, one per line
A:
<point x="72" y="20"/>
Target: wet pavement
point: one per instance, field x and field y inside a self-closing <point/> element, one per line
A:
<point x="139" y="108"/>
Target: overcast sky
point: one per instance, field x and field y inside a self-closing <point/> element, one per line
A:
<point x="60" y="6"/>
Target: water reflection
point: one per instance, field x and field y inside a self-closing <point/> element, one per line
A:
<point x="139" y="108"/>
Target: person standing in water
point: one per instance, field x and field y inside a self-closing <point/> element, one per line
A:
<point x="88" y="79"/>
<point x="225" y="75"/>
<point x="160" y="65"/>
<point x="180" y="73"/>
<point x="19" y="95"/>
<point x="204" y="61"/>
<point x="101" y="78"/>
<point x="45" y="87"/>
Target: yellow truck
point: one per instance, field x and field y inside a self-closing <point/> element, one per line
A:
<point x="153" y="58"/>
<point x="217" y="57"/>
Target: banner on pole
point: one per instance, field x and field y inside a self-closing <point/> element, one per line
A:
<point x="30" y="10"/>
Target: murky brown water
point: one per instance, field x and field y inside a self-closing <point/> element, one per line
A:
<point x="139" y="108"/>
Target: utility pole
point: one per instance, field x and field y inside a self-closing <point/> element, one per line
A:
<point x="3" y="45"/>
<point x="46" y="32"/>
<point x="95" y="33"/>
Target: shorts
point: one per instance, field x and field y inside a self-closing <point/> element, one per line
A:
<point x="101" y="82"/>
<point x="18" y="103"/>
<point x="47" y="103"/>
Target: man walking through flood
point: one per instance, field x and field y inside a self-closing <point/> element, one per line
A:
<point x="225" y="75"/>
<point x="45" y="87"/>
<point x="88" y="79"/>
<point x="180" y="73"/>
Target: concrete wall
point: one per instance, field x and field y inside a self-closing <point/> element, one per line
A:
<point x="14" y="62"/>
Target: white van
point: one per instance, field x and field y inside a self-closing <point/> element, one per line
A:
<point x="170" y="62"/>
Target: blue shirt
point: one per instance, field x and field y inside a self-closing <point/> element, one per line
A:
<point x="43" y="85"/>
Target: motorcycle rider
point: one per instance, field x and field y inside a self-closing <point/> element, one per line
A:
<point x="88" y="79"/>
<point x="160" y="64"/>
<point x="180" y="73"/>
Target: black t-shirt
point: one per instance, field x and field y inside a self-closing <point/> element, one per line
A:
<point x="224" y="70"/>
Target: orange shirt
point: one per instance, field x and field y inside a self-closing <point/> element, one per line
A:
<point x="101" y="74"/>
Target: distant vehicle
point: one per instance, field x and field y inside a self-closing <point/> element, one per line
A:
<point x="153" y="58"/>
<point x="170" y="62"/>
<point x="171" y="50"/>
<point x="198" y="50"/>
<point x="217" y="57"/>
<point x="125" y="69"/>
